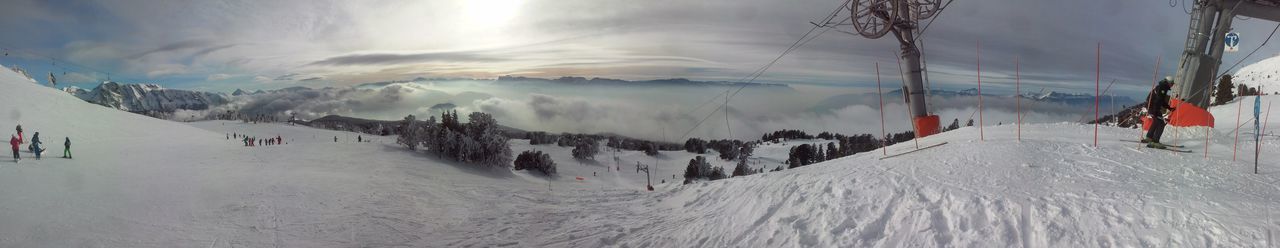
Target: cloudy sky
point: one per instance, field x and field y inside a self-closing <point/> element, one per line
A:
<point x="223" y="45"/>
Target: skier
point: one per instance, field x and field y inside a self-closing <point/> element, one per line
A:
<point x="1158" y="101"/>
<point x="66" y="151"/>
<point x="335" y="139"/>
<point x="359" y="138"/>
<point x="35" y="145"/>
<point x="13" y="141"/>
<point x="279" y="140"/>
<point x="21" y="139"/>
<point x="245" y="141"/>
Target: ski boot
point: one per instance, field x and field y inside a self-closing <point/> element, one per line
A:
<point x="1155" y="145"/>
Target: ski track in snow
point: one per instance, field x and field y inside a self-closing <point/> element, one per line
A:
<point x="141" y="182"/>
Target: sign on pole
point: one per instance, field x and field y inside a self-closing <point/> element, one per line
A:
<point x="1232" y="42"/>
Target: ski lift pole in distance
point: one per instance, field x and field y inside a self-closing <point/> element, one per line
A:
<point x="647" y="178"/>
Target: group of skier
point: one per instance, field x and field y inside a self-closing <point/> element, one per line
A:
<point x="255" y="141"/>
<point x="36" y="147"/>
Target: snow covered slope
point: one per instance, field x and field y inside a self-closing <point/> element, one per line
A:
<point x="1264" y="73"/>
<point x="141" y="182"/>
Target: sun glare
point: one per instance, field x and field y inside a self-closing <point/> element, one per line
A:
<point x="491" y="13"/>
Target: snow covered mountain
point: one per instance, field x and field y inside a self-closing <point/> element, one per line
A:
<point x="1078" y="99"/>
<point x="1264" y="74"/>
<point x="147" y="97"/>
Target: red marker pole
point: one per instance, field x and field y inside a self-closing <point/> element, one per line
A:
<point x="981" y="134"/>
<point x="884" y="149"/>
<point x="1236" y="143"/>
<point x="1097" y="90"/>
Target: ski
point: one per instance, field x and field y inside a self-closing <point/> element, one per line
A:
<point x="1140" y="142"/>
<point x="1172" y="149"/>
<point x="911" y="151"/>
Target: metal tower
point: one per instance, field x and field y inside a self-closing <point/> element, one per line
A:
<point x="1202" y="54"/>
<point x="875" y="18"/>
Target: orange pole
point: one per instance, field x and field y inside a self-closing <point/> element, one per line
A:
<point x="884" y="140"/>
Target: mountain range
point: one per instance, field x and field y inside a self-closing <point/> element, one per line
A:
<point x="147" y="97"/>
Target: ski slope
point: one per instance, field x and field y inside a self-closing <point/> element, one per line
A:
<point x="142" y="182"/>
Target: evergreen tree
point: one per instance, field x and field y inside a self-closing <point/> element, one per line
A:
<point x="1224" y="94"/>
<point x="800" y="155"/>
<point x="742" y="169"/>
<point x="820" y="157"/>
<point x="832" y="153"/>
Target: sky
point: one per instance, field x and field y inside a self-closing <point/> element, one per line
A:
<point x="224" y="45"/>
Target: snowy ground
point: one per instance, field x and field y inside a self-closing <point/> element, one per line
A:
<point x="142" y="182"/>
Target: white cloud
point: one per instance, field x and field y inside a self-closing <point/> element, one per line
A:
<point x="219" y="76"/>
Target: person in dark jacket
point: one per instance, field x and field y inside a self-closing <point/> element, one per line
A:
<point x="37" y="147"/>
<point x="1157" y="103"/>
<point x="66" y="151"/>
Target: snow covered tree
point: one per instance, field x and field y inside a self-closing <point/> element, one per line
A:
<point x="535" y="160"/>
<point x="728" y="149"/>
<point x="540" y="138"/>
<point x="409" y="132"/>
<point x="695" y="145"/>
<point x="699" y="168"/>
<point x="969" y="124"/>
<point x="615" y="143"/>
<point x="717" y="173"/>
<point x="955" y="124"/>
<point x="650" y="149"/>
<point x="746" y="150"/>
<point x="586" y="148"/>
<point x="694" y="169"/>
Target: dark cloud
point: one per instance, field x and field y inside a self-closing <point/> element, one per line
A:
<point x="286" y="77"/>
<point x="311" y="79"/>
<point x="172" y="47"/>
<point x="209" y="50"/>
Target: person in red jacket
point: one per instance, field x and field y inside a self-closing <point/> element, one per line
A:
<point x="14" y="142"/>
